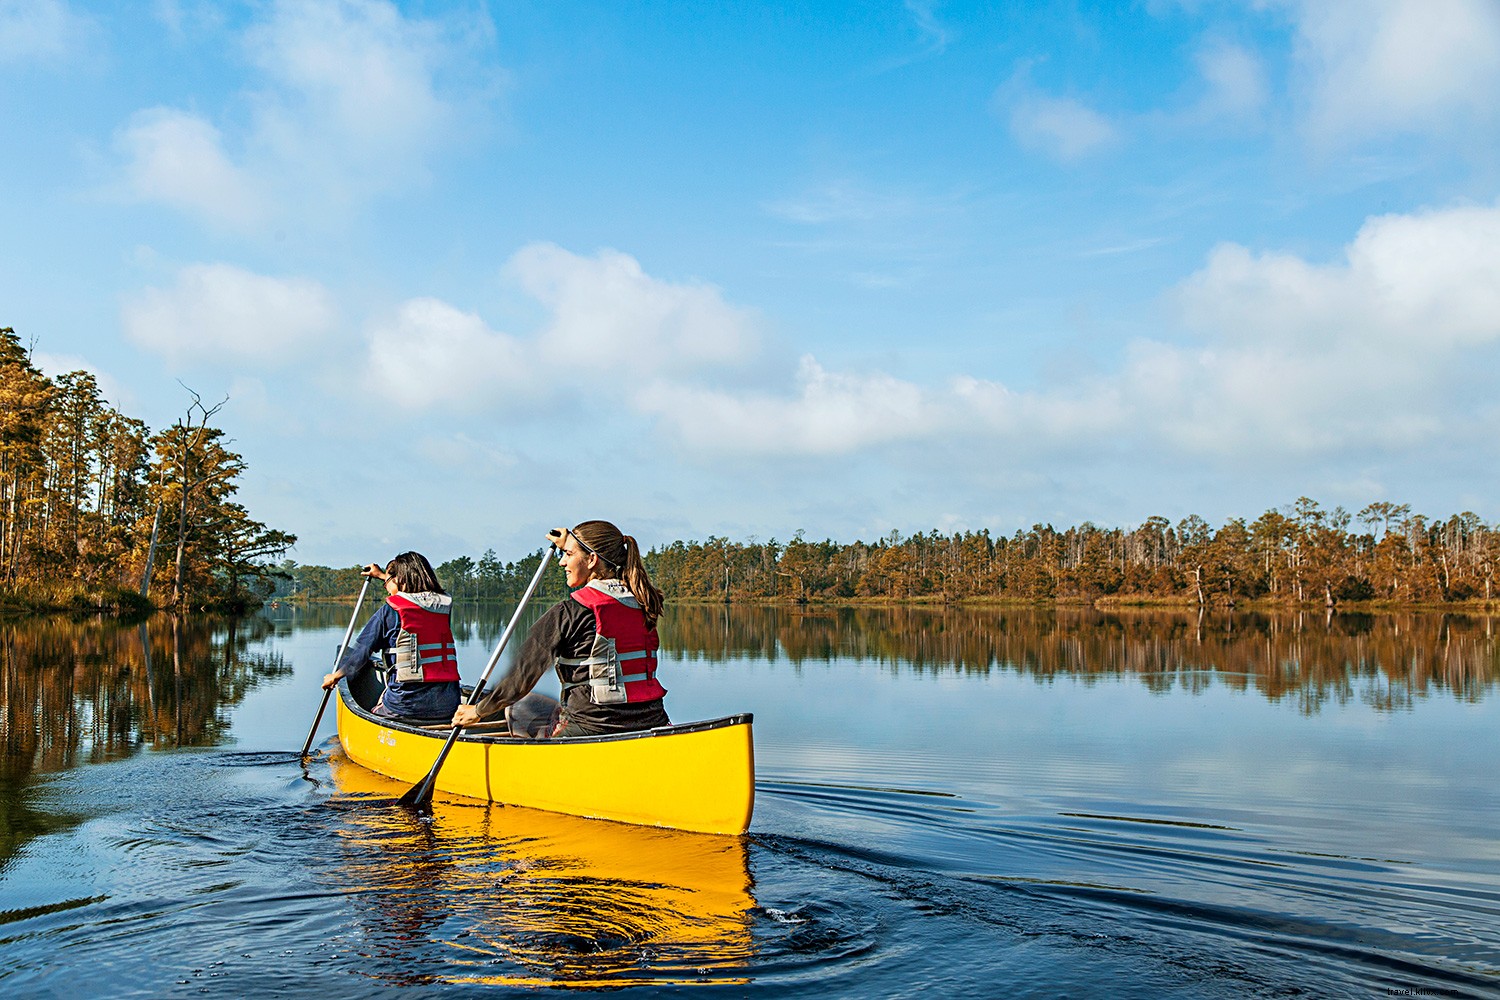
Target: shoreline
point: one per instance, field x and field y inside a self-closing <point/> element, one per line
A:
<point x="117" y="602"/>
<point x="1109" y="603"/>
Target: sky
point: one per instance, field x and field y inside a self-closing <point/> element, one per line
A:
<point x="465" y="271"/>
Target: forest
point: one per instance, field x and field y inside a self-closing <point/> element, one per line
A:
<point x="99" y="511"/>
<point x="1300" y="555"/>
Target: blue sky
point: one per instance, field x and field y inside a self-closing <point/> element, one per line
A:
<point x="465" y="271"/>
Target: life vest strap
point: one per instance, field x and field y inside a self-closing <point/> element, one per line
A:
<point x="584" y="661"/>
<point x="603" y="682"/>
<point x="435" y="652"/>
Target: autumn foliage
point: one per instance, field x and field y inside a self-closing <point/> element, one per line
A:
<point x="90" y="500"/>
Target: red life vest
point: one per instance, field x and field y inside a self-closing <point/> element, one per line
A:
<point x="622" y="663"/>
<point x="424" y="652"/>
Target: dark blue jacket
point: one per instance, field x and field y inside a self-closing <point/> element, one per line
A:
<point x="411" y="700"/>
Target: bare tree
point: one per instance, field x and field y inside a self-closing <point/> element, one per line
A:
<point x="193" y="428"/>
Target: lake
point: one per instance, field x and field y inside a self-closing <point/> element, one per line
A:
<point x="951" y="802"/>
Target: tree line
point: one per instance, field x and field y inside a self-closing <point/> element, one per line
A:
<point x="1298" y="555"/>
<point x="94" y="505"/>
<point x="486" y="579"/>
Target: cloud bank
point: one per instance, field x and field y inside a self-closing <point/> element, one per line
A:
<point x="1357" y="73"/>
<point x="216" y="312"/>
<point x="352" y="103"/>
<point x="40" y="30"/>
<point x="1383" y="66"/>
<point x="1272" y="354"/>
<point x="610" y="326"/>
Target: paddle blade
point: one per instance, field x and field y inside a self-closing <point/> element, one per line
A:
<point x="419" y="796"/>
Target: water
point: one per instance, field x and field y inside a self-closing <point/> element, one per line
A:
<point x="950" y="803"/>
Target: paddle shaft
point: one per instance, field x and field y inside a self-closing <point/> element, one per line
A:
<point x="421" y="794"/>
<point x="348" y="633"/>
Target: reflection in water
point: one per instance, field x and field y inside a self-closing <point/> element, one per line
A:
<point x="1166" y="846"/>
<point x="1385" y="660"/>
<point x="90" y="691"/>
<point x="521" y="897"/>
<point x="76" y="692"/>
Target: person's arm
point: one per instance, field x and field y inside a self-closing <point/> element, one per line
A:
<point x="538" y="653"/>
<point x="357" y="656"/>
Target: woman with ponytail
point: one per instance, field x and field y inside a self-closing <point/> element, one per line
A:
<point x="601" y="640"/>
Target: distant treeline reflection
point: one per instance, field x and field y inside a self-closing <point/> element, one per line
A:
<point x="86" y="692"/>
<point x="1386" y="660"/>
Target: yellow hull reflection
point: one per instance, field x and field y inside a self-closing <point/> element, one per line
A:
<point x="523" y="897"/>
<point x="699" y="777"/>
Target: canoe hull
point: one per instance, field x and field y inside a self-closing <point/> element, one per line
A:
<point x="698" y="777"/>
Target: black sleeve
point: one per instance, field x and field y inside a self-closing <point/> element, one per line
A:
<point x="554" y="634"/>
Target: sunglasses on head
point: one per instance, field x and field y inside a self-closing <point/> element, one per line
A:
<point x="585" y="546"/>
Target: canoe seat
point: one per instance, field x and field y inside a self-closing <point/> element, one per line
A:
<point x="498" y="725"/>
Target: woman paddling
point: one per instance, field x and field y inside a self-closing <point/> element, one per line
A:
<point x="602" y="640"/>
<point x="412" y="632"/>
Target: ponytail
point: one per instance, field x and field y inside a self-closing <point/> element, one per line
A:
<point x="640" y="585"/>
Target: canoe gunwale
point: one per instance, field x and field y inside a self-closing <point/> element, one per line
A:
<point x="347" y="695"/>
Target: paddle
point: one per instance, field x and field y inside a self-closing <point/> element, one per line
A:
<point x="420" y="795"/>
<point x="348" y="632"/>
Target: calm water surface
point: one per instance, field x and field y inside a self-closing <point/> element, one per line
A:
<point x="959" y="803"/>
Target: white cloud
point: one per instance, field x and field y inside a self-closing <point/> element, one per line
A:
<point x="1380" y="66"/>
<point x="1060" y="127"/>
<point x="609" y="316"/>
<point x="460" y="452"/>
<point x="353" y="95"/>
<point x="935" y="34"/>
<point x="1235" y="85"/>
<point x="1039" y="419"/>
<point x="351" y="104"/>
<point x="431" y="354"/>
<point x="607" y="320"/>
<point x="38" y="29"/>
<point x="1315" y="357"/>
<point x="178" y="159"/>
<point x="217" y="312"/>
<point x="182" y="17"/>
<point x="1410" y="283"/>
<point x="830" y="413"/>
<point x="839" y="413"/>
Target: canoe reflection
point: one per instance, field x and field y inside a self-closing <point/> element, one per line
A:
<point x="520" y="897"/>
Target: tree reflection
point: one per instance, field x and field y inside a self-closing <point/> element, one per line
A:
<point x="78" y="692"/>
<point x="90" y="691"/>
<point x="1385" y="661"/>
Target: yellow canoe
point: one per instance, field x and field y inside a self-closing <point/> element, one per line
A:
<point x="699" y="776"/>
